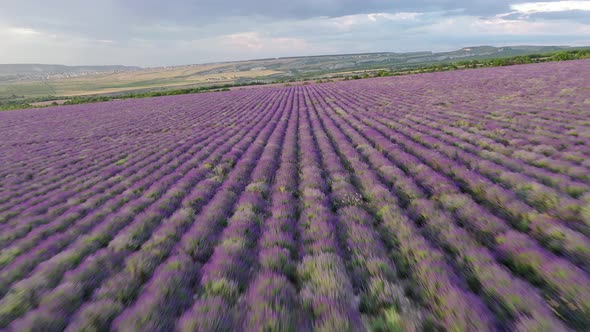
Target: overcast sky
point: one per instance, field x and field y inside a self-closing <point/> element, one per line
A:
<point x="173" y="32"/>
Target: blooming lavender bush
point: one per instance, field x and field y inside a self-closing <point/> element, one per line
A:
<point x="452" y="201"/>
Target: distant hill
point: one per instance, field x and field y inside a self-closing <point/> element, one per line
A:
<point x="399" y="60"/>
<point x="41" y="71"/>
<point x="38" y="80"/>
<point x="303" y="66"/>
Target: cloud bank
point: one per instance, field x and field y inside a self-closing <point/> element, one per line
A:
<point x="155" y="33"/>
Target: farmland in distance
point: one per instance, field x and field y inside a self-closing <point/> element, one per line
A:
<point x="454" y="200"/>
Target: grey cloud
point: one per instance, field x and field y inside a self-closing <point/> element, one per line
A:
<point x="122" y="20"/>
<point x="99" y="14"/>
<point x="155" y="32"/>
<point x="571" y="15"/>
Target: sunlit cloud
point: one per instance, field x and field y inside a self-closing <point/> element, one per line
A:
<point x="23" y="31"/>
<point x="256" y="41"/>
<point x="184" y="31"/>
<point x="550" y="7"/>
<point x="393" y="17"/>
<point x="350" y="22"/>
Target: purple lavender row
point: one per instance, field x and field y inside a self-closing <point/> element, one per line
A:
<point x="73" y="221"/>
<point x="448" y="134"/>
<point x="59" y="175"/>
<point x="488" y="128"/>
<point x="148" y="112"/>
<point x="509" y="79"/>
<point x="503" y="202"/>
<point x="22" y="296"/>
<point x="15" y="303"/>
<point x="26" y="227"/>
<point x="521" y="124"/>
<point x="134" y="186"/>
<point x="9" y="254"/>
<point x="433" y="280"/>
<point x="74" y="206"/>
<point x="575" y="189"/>
<point x="22" y="182"/>
<point x="548" y="136"/>
<point x="122" y="288"/>
<point x="35" y="202"/>
<point x="325" y="290"/>
<point x="198" y="115"/>
<point x="270" y="300"/>
<point x="349" y="152"/>
<point x="126" y="165"/>
<point x="23" y="199"/>
<point x="154" y="297"/>
<point x="227" y="273"/>
<point x="109" y="174"/>
<point x="140" y="221"/>
<point x="193" y="149"/>
<point x="522" y="215"/>
<point x="382" y="295"/>
<point x="540" y="155"/>
<point x="570" y="233"/>
<point x="535" y="150"/>
<point x="498" y="128"/>
<point x="442" y="225"/>
<point x="115" y="208"/>
<point x="542" y="198"/>
<point x="84" y="178"/>
<point x="70" y="156"/>
<point x="42" y="182"/>
<point x="430" y="106"/>
<point x="173" y="228"/>
<point x="495" y="153"/>
<point x="18" y="171"/>
<point x="154" y="309"/>
<point x="537" y="195"/>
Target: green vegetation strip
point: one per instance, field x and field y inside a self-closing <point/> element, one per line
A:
<point x="19" y="102"/>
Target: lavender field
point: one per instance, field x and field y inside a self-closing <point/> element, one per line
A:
<point x="457" y="201"/>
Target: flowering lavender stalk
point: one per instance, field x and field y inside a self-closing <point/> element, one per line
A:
<point x="87" y="208"/>
<point x="151" y="249"/>
<point x="199" y="241"/>
<point x="227" y="273"/>
<point x="453" y="200"/>
<point x="124" y="287"/>
<point x="414" y="251"/>
<point x="271" y="295"/>
<point x="130" y="238"/>
<point x="537" y="195"/>
<point x="373" y="273"/>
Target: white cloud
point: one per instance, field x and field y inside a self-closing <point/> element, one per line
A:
<point x="256" y="41"/>
<point x="350" y="22"/>
<point x="402" y="16"/>
<point x="498" y="27"/>
<point x="550" y="7"/>
<point x="168" y="41"/>
<point x="22" y="31"/>
<point x="346" y="23"/>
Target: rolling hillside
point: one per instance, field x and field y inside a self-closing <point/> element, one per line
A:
<point x="57" y="80"/>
